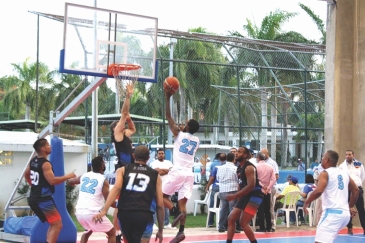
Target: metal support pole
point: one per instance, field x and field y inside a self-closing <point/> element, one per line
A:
<point x="171" y="73"/>
<point x="37" y="79"/>
<point x="94" y="124"/>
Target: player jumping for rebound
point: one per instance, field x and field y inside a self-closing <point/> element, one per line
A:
<point x="181" y="177"/>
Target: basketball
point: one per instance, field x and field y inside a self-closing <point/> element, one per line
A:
<point x="171" y="84"/>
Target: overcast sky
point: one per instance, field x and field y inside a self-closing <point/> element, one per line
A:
<point x="19" y="27"/>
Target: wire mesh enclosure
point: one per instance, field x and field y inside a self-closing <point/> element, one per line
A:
<point x="257" y="93"/>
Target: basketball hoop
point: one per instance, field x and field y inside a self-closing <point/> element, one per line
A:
<point x="124" y="74"/>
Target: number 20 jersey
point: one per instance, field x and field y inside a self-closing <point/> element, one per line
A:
<point x="40" y="186"/>
<point x="185" y="147"/>
<point x="139" y="188"/>
<point x="90" y="192"/>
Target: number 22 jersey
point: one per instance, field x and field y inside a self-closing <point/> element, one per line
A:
<point x="91" y="197"/>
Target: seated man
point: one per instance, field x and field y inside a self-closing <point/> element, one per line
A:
<point x="280" y="198"/>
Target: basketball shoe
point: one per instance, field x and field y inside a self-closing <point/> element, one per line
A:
<point x="178" y="238"/>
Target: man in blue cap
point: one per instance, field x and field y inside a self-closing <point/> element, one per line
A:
<point x="293" y="181"/>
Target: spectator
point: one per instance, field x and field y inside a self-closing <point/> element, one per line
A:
<point x="310" y="186"/>
<point x="228" y="184"/>
<point x="280" y="198"/>
<point x="207" y="168"/>
<point x="266" y="175"/>
<point x="314" y="164"/>
<point x="162" y="166"/>
<point x="287" y="181"/>
<point x="215" y="184"/>
<point x="253" y="157"/>
<point x="301" y="165"/>
<point x="273" y="163"/>
<point x="197" y="169"/>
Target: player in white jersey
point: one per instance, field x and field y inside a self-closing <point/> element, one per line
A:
<point x="93" y="191"/>
<point x="181" y="177"/>
<point x="334" y="184"/>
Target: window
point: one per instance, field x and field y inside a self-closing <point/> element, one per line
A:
<point x="6" y="157"/>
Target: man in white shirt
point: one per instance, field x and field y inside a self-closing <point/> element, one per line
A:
<point x="163" y="167"/>
<point x="356" y="171"/>
<point x="335" y="185"/>
<point x="207" y="168"/>
<point x="228" y="184"/>
<point x="197" y="169"/>
<point x="275" y="166"/>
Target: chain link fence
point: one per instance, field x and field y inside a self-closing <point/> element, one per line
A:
<point x="256" y="93"/>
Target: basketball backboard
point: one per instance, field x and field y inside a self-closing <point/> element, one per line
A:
<point x="94" y="38"/>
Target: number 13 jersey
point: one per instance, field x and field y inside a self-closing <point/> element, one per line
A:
<point x="139" y="188"/>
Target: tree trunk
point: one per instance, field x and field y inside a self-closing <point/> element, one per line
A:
<point x="284" y="159"/>
<point x="273" y="132"/>
<point x="320" y="146"/>
<point x="263" y="136"/>
<point x="27" y="114"/>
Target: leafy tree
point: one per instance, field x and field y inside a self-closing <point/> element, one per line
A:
<point x="20" y="88"/>
<point x="270" y="29"/>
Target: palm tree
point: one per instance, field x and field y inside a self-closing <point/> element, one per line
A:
<point x="317" y="20"/>
<point x="19" y="89"/>
<point x="198" y="78"/>
<point x="270" y="29"/>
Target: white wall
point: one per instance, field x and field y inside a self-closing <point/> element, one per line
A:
<point x="75" y="159"/>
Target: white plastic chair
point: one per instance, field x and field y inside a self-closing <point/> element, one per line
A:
<point x="292" y="198"/>
<point x="310" y="211"/>
<point x="204" y="201"/>
<point x="215" y="210"/>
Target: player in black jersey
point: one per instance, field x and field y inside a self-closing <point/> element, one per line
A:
<point x="39" y="175"/>
<point x="139" y="188"/>
<point x="249" y="196"/>
<point x="120" y="134"/>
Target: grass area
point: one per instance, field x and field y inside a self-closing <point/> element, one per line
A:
<point x="191" y="221"/>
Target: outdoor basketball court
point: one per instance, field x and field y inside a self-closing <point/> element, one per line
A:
<point x="282" y="237"/>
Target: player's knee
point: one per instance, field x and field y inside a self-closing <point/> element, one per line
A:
<point x="111" y="232"/>
<point x="57" y="224"/>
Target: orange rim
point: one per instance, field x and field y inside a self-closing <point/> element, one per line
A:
<point x="122" y="67"/>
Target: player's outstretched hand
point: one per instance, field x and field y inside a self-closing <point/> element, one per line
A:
<point x="129" y="89"/>
<point x="159" y="236"/>
<point x="71" y="175"/>
<point x="168" y="93"/>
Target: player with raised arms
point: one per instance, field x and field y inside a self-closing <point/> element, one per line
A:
<point x="180" y="177"/>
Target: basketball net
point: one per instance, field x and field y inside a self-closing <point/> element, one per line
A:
<point x="124" y="74"/>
